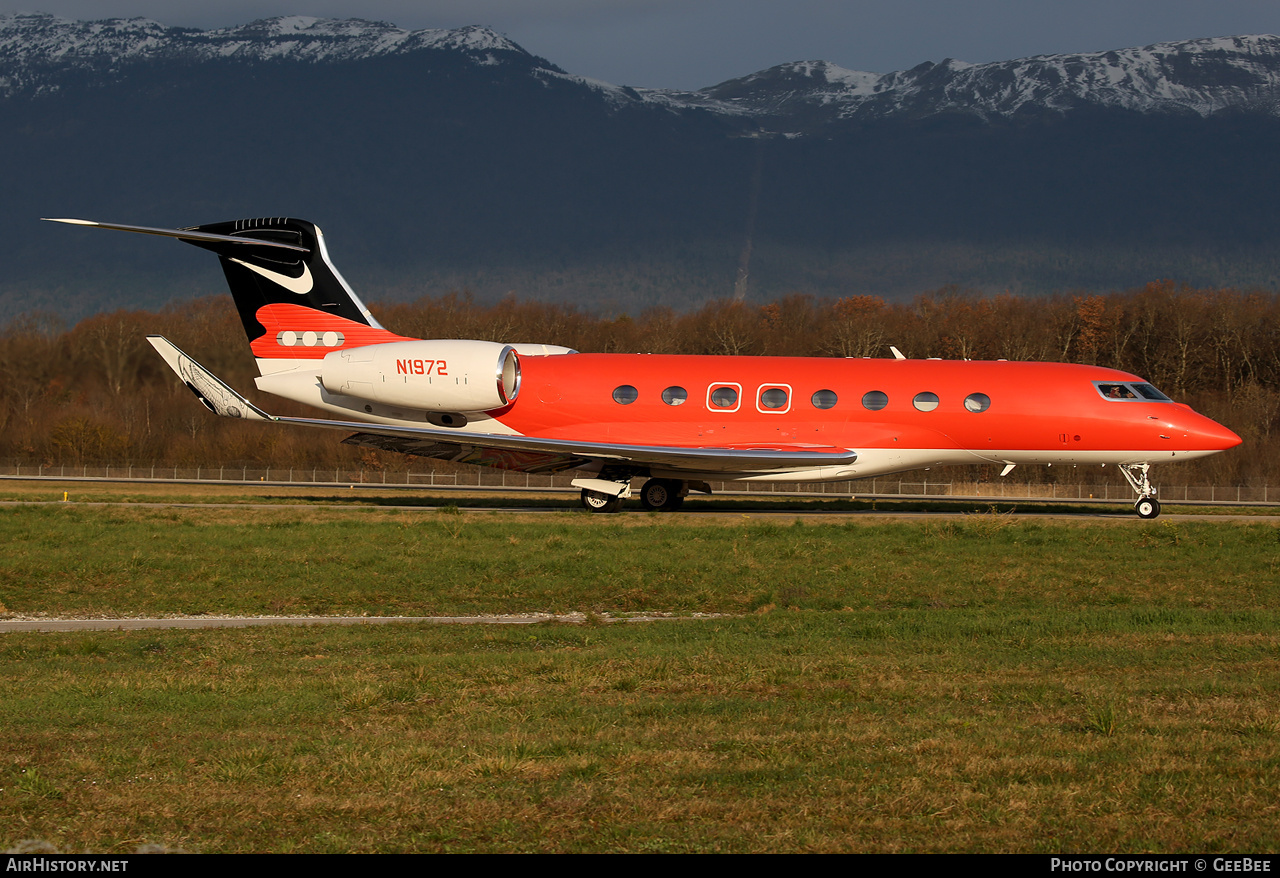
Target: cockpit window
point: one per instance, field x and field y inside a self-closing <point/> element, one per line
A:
<point x="1136" y="391"/>
<point x="1116" y="391"/>
<point x="1146" y="391"/>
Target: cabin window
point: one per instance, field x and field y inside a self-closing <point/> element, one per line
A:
<point x="926" y="401"/>
<point x="723" y="397"/>
<point x="774" y="398"/>
<point x="825" y="399"/>
<point x="875" y="400"/>
<point x="625" y="395"/>
<point x="977" y="402"/>
<point x="675" y="395"/>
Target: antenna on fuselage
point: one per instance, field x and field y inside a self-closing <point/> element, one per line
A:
<point x="897" y="354"/>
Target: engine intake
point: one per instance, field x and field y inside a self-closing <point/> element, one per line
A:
<point x="434" y="376"/>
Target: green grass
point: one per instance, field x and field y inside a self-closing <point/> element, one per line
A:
<point x="971" y="684"/>
<point x="72" y="559"/>
<point x="910" y="730"/>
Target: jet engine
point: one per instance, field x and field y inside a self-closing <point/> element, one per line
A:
<point x="439" y="376"/>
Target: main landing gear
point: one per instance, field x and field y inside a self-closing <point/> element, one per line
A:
<point x="1135" y="474"/>
<point x="663" y="495"/>
<point x="594" y="501"/>
<point x="657" y="495"/>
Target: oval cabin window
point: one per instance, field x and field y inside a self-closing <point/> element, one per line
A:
<point x="774" y="398"/>
<point x="875" y="400"/>
<point x="824" y="399"/>
<point x="625" y="395"/>
<point x="724" y="397"/>
<point x="977" y="402"/>
<point x="675" y="395"/>
<point x="925" y="402"/>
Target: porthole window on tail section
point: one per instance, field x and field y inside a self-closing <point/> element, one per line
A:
<point x="675" y="395"/>
<point x="825" y="399"/>
<point x="926" y="401"/>
<point x="977" y="402"/>
<point x="875" y="400"/>
<point x="625" y="395"/>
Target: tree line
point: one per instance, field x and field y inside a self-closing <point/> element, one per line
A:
<point x="97" y="393"/>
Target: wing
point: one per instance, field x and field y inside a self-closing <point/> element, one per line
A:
<point x="523" y="453"/>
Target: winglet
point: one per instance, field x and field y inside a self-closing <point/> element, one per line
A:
<point x="211" y="390"/>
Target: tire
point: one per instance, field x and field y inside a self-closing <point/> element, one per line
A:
<point x="655" y="494"/>
<point x="594" y="501"/>
<point x="661" y="495"/>
<point x="1147" y="507"/>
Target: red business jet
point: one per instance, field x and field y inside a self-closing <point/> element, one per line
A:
<point x="677" y="421"/>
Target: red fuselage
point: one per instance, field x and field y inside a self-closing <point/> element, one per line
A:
<point x="1037" y="412"/>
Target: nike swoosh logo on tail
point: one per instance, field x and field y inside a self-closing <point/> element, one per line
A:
<point x="300" y="285"/>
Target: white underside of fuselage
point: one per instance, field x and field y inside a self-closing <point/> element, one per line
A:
<point x="874" y="462"/>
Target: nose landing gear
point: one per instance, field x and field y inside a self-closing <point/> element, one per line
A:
<point x="1135" y="474"/>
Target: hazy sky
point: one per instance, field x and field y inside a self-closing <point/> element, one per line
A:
<point x="695" y="43"/>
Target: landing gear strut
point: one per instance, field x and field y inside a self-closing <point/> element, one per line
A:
<point x="1135" y="474"/>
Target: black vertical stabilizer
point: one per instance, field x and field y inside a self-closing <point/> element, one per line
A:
<point x="265" y="275"/>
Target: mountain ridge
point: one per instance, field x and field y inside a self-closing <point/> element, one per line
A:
<point x="455" y="159"/>
<point x="1200" y="76"/>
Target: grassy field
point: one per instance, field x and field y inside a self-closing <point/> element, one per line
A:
<point x="976" y="683"/>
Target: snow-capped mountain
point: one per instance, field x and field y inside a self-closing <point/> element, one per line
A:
<point x="1193" y="76"/>
<point x="456" y="159"/>
<point x="38" y="51"/>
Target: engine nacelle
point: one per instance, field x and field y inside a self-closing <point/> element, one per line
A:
<point x="439" y="376"/>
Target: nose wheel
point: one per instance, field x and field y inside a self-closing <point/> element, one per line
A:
<point x="1147" y="507"/>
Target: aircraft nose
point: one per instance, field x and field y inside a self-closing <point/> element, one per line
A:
<point x="1212" y="435"/>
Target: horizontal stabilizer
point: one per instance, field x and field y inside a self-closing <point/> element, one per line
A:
<point x="181" y="234"/>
